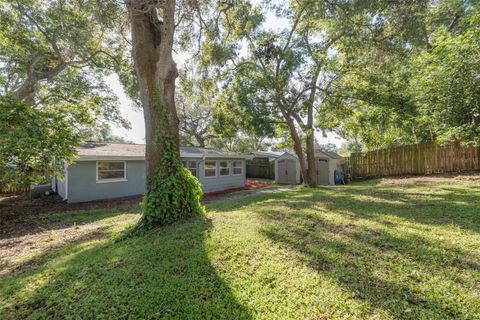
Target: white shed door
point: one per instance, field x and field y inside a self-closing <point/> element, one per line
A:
<point x="287" y="171"/>
<point x="323" y="173"/>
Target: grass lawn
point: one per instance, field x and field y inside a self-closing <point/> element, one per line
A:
<point x="366" y="250"/>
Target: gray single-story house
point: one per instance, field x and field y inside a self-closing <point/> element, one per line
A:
<point x="287" y="167"/>
<point x="113" y="170"/>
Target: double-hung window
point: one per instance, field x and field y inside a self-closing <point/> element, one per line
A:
<point x="210" y="169"/>
<point x="111" y="171"/>
<point x="192" y="166"/>
<point x="237" y="167"/>
<point x="224" y="168"/>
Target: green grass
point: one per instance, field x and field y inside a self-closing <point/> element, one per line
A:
<point x="361" y="251"/>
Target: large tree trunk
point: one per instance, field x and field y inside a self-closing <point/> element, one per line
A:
<point x="152" y="45"/>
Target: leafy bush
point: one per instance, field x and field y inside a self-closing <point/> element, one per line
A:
<point x="172" y="198"/>
<point x="173" y="193"/>
<point x="33" y="141"/>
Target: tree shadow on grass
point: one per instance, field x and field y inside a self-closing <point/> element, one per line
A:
<point x="391" y="270"/>
<point x="30" y="225"/>
<point x="445" y="206"/>
<point x="163" y="273"/>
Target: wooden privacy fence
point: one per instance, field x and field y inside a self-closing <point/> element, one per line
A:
<point x="425" y="158"/>
<point x="260" y="169"/>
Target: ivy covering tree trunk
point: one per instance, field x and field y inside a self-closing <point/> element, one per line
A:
<point x="172" y="192"/>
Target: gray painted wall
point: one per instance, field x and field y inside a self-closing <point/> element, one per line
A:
<point x="82" y="185"/>
<point x="212" y="184"/>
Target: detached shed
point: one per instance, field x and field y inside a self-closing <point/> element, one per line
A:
<point x="327" y="162"/>
<point x="287" y="168"/>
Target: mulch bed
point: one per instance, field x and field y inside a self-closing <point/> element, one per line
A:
<point x="255" y="184"/>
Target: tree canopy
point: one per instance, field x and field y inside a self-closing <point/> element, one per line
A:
<point x="408" y="72"/>
<point x="54" y="56"/>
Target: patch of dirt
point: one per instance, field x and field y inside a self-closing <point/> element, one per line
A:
<point x="26" y="232"/>
<point x="25" y="242"/>
<point x="245" y="193"/>
<point x="471" y="177"/>
<point x="14" y="206"/>
<point x="26" y="235"/>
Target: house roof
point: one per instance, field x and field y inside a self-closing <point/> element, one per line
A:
<point x="105" y="150"/>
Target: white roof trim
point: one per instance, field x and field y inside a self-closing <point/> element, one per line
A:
<point x="197" y="156"/>
<point x="96" y="158"/>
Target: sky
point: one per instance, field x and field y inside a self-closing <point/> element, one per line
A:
<point x="135" y="116"/>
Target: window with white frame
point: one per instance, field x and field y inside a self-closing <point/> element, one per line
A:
<point x="210" y="168"/>
<point x="237" y="167"/>
<point x="224" y="168"/>
<point x="109" y="171"/>
<point x="191" y="165"/>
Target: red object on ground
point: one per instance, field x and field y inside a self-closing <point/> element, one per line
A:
<point x="254" y="184"/>
<point x="249" y="185"/>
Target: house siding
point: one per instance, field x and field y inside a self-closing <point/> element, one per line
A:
<point x="82" y="185"/>
<point x="218" y="183"/>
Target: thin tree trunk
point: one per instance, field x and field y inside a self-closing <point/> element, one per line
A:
<point x="200" y="141"/>
<point x="26" y="93"/>
<point x="311" y="165"/>
<point x="297" y="143"/>
<point x="310" y="134"/>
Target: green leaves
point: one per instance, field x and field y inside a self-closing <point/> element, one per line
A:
<point x="54" y="56"/>
<point x="27" y="152"/>
<point x="407" y="73"/>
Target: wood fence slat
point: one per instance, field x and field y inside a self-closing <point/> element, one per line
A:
<point x="424" y="158"/>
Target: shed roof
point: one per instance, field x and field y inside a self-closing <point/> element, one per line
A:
<point x="287" y="154"/>
<point x="267" y="154"/>
<point x="329" y="154"/>
<point x="105" y="150"/>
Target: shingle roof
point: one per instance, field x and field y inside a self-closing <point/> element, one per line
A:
<point x="267" y="154"/>
<point x="111" y="149"/>
<point x="330" y="154"/>
<point x="125" y="150"/>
